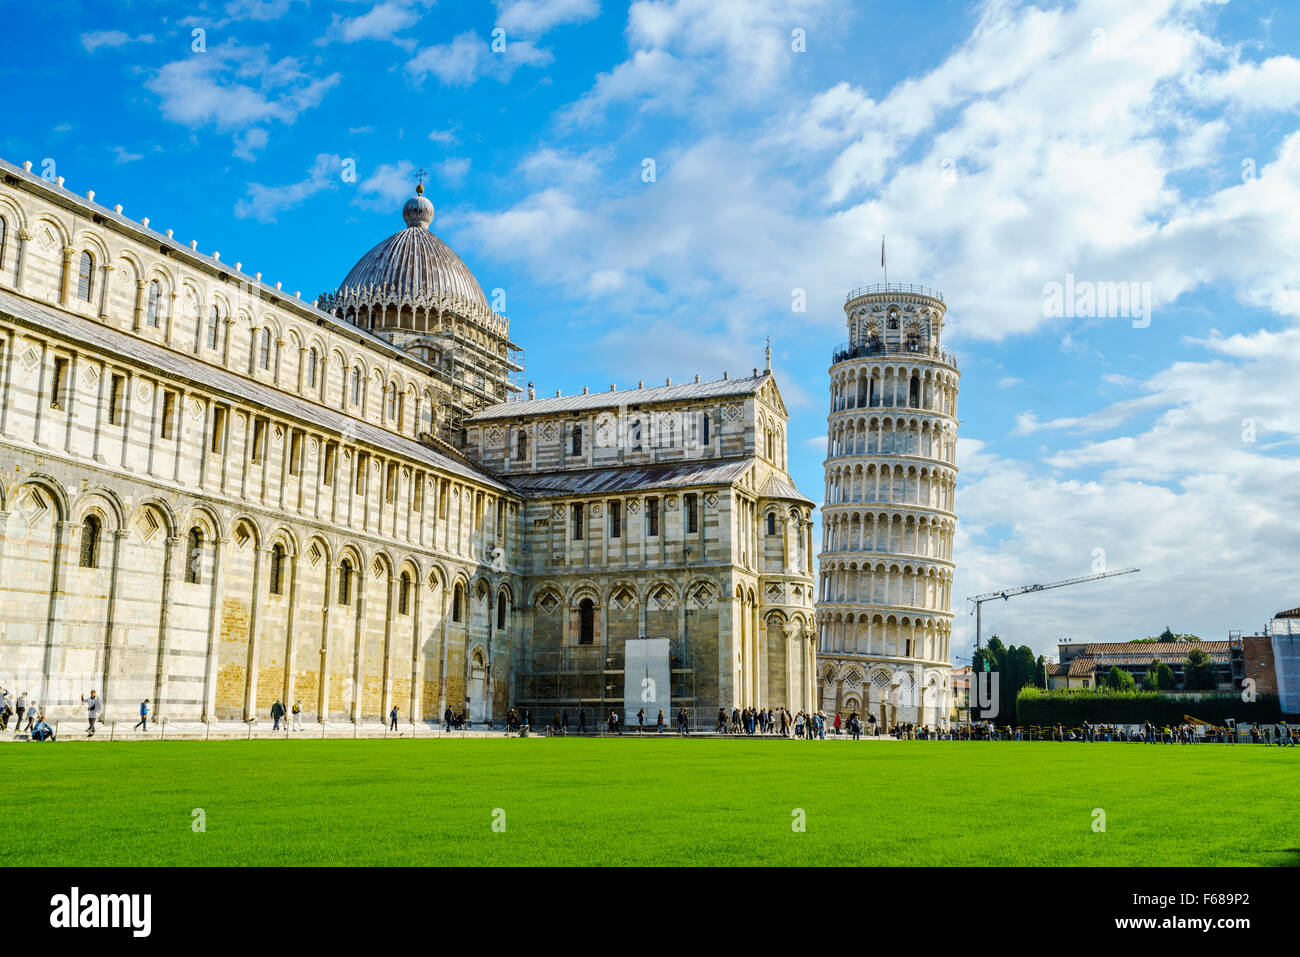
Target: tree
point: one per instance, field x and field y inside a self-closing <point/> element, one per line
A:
<point x="1015" y="666"/>
<point x="1198" y="671"/>
<point x="1168" y="634"/>
<point x="1119" y="680"/>
<point x="1151" y="680"/>
<point x="1165" y="680"/>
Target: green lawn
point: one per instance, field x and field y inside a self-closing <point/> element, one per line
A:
<point x="669" y="801"/>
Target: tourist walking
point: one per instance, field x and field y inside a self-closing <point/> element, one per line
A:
<point x="143" y="723"/>
<point x="659" y="722"/>
<point x="392" y="719"/>
<point x="640" y="721"/>
<point x="94" y="708"/>
<point x="19" y="709"/>
<point x="277" y="712"/>
<point x="5" y="709"/>
<point x="297" y="716"/>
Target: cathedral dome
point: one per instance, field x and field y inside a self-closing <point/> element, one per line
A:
<point x="414" y="267"/>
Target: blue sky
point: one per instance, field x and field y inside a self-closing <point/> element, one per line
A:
<point x="1002" y="146"/>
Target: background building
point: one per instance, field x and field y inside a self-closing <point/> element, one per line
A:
<point x="1085" y="665"/>
<point x="886" y="565"/>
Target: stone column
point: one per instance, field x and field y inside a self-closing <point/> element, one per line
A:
<point x="386" y="685"/>
<point x="442" y="664"/>
<point x="54" y="617"/>
<point x="417" y="657"/>
<point x="20" y="260"/>
<point x="137" y="314"/>
<point x="358" y="652"/>
<point x="171" y="550"/>
<point x="290" y="682"/>
<point x="254" y="603"/>
<point x="214" y="634"/>
<point x="66" y="279"/>
<point x="322" y="687"/>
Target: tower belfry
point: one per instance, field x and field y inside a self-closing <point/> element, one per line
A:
<point x="886" y="567"/>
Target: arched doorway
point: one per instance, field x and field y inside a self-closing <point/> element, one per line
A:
<point x="478" y="688"/>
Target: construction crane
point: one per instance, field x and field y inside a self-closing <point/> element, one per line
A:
<point x="979" y="600"/>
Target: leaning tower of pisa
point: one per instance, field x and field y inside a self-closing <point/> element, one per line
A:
<point x="886" y="565"/>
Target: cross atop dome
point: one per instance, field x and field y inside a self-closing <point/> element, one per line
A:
<point x="418" y="210"/>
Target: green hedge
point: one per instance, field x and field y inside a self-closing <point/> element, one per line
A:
<point x="1034" y="706"/>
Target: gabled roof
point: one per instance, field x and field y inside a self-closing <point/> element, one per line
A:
<point x="718" y="388"/>
<point x="1117" y="649"/>
<point x="168" y="363"/>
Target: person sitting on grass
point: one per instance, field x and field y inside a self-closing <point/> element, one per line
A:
<point x="42" y="731"/>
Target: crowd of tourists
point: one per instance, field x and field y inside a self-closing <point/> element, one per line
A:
<point x="1148" y="732"/>
<point x="28" y="719"/>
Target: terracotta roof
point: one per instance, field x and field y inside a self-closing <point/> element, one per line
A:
<point x="1081" y="667"/>
<point x="1150" y="649"/>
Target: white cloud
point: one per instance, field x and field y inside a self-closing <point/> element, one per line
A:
<point x="453" y="171"/>
<point x="122" y="155"/>
<point x="382" y="22"/>
<point x="264" y="203"/>
<point x="535" y="17"/>
<point x="389" y="186"/>
<point x="231" y="88"/>
<point x="1271" y="85"/>
<point x="111" y="39"/>
<point x="691" y="55"/>
<point x="468" y="57"/>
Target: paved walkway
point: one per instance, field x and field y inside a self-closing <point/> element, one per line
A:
<point x="74" y="729"/>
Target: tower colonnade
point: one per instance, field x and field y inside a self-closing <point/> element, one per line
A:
<point x="888" y="523"/>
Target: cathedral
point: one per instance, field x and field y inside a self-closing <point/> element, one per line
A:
<point x="215" y="494"/>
